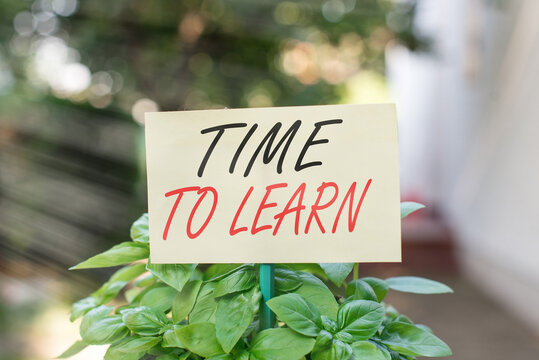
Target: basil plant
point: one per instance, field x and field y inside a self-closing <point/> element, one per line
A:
<point x="187" y="312"/>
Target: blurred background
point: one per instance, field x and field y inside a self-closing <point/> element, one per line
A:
<point x="77" y="76"/>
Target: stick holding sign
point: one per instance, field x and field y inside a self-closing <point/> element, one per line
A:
<point x="267" y="287"/>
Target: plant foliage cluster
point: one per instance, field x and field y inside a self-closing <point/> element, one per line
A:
<point x="183" y="311"/>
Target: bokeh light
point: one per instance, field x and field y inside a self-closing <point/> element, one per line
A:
<point x="142" y="106"/>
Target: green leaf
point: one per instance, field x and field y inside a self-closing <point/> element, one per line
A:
<point x="360" y="290"/>
<point x="82" y="306"/>
<point x="396" y="356"/>
<point x="197" y="275"/>
<point x="243" y="355"/>
<point x="403" y="319"/>
<point x="417" y="285"/>
<point x="337" y="272"/>
<point x="324" y="338"/>
<point x="128" y="273"/>
<point x="131" y="294"/>
<point x="218" y="271"/>
<point x="76" y="348"/>
<point x="222" y="357"/>
<point x="328" y="324"/>
<point x="140" y="231"/>
<point x="145" y="281"/>
<point x="186" y="355"/>
<point x="368" y="350"/>
<point x="253" y="327"/>
<point x="94" y="315"/>
<point x="185" y="300"/>
<point x="144" y="320"/>
<point x="241" y="280"/>
<point x="286" y="280"/>
<point x="200" y="338"/>
<point x="360" y="318"/>
<point x="173" y="357"/>
<point x="408" y="207"/>
<point x="97" y="328"/>
<point x="424" y="327"/>
<point x="327" y="348"/>
<point x="113" y="354"/>
<point x="317" y="293"/>
<point x="120" y="254"/>
<point x="175" y="275"/>
<point x="379" y="286"/>
<point x="205" y="305"/>
<point x="280" y="344"/>
<point x="159" y="298"/>
<point x="344" y="337"/>
<point x="391" y="312"/>
<point x="158" y="350"/>
<point x="108" y="291"/>
<point x="299" y="314"/>
<point x="117" y="281"/>
<point x="171" y="339"/>
<point x="143" y="291"/>
<point x="136" y="344"/>
<point x="411" y="340"/>
<point x="234" y="315"/>
<point x="105" y="331"/>
<point x="311" y="268"/>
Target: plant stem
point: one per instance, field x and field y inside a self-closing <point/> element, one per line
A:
<point x="356" y="271"/>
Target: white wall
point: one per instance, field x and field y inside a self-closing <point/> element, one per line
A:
<point x="479" y="146"/>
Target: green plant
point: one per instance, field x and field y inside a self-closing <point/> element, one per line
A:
<point x="183" y="311"/>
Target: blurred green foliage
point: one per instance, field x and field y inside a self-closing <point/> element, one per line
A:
<point x="212" y="53"/>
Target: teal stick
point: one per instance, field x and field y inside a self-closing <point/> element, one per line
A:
<point x="267" y="287"/>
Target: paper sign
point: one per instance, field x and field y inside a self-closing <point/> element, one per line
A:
<point x="274" y="185"/>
